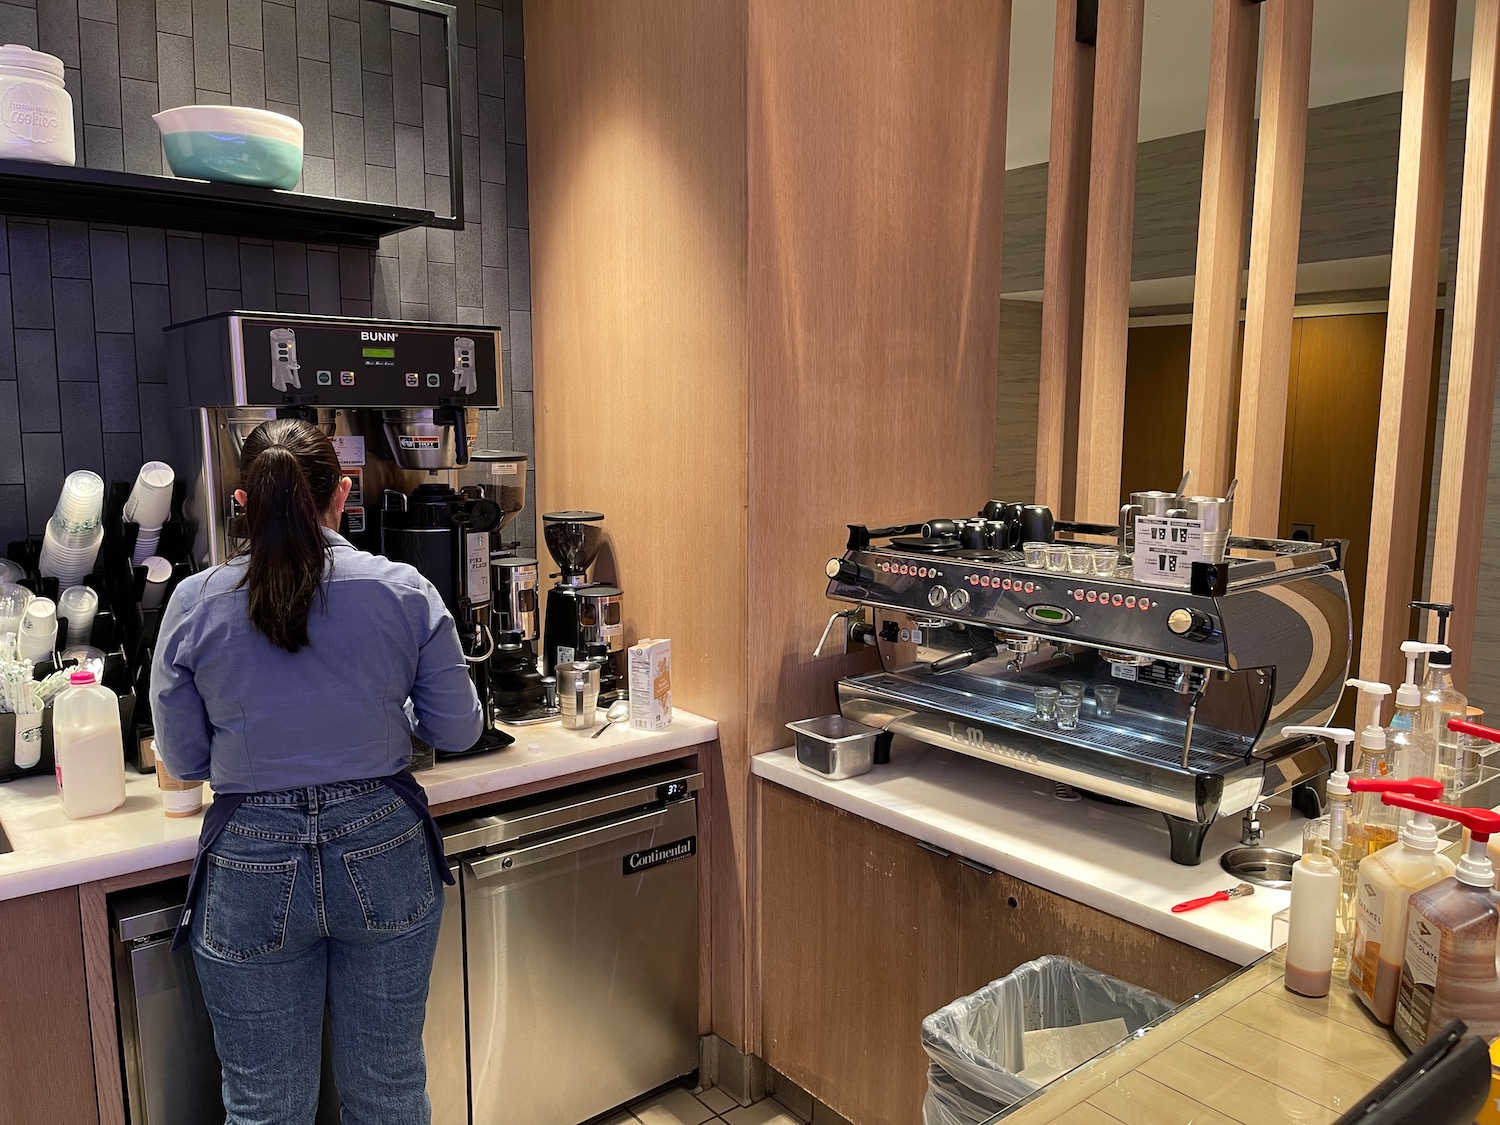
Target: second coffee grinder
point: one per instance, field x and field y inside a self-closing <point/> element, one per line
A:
<point x="584" y="620"/>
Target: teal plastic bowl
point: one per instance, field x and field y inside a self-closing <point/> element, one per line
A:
<point x="234" y="158"/>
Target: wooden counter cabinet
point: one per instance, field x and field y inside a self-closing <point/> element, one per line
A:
<point x="866" y="931"/>
<point x="46" y="1055"/>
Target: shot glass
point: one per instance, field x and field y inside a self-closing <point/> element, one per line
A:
<point x="1047" y="699"/>
<point x="1080" y="560"/>
<point x="1105" y="561"/>
<point x="1073" y="689"/>
<point x="1106" y="699"/>
<point x="1036" y="555"/>
<point x="1057" y="557"/>
<point x="1067" y="712"/>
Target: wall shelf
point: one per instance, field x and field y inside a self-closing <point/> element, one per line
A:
<point x="98" y="196"/>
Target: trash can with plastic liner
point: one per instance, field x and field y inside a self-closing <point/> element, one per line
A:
<point x="976" y="1044"/>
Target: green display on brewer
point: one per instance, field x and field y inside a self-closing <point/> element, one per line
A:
<point x="378" y="353"/>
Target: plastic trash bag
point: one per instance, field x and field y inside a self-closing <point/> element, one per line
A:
<point x="975" y="1042"/>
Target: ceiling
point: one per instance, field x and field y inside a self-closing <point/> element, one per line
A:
<point x="1357" y="53"/>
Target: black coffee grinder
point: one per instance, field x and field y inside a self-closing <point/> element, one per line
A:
<point x="445" y="535"/>
<point x="584" y="620"/>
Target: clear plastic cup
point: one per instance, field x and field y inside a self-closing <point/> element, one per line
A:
<point x="1067" y="712"/>
<point x="1080" y="560"/>
<point x="1106" y="699"/>
<point x="150" y="500"/>
<point x="13" y="603"/>
<point x="1072" y="689"/>
<point x="1046" y="703"/>
<point x="70" y="558"/>
<point x="77" y="606"/>
<point x="80" y="504"/>
<point x="1105" y="561"/>
<point x="1035" y="555"/>
<point x="1057" y="557"/>
<point x="11" y="572"/>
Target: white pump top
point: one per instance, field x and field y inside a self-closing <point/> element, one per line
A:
<point x="1475" y="868"/>
<point x="1409" y="694"/>
<point x="1373" y="736"/>
<point x="1338" y="780"/>
<point x="1419" y="833"/>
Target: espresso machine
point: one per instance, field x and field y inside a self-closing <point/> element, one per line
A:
<point x="1198" y="681"/>
<point x="584" y="620"/>
<point x="400" y="402"/>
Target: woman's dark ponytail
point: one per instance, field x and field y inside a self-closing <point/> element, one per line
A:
<point x="289" y="473"/>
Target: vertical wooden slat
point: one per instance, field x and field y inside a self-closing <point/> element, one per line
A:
<point x="1281" y="153"/>
<point x="1400" y="453"/>
<point x="1063" y="269"/>
<point x="1106" y="283"/>
<point x="1209" y="449"/>
<point x="1476" y="347"/>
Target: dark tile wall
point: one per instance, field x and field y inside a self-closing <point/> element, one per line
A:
<point x="82" y="380"/>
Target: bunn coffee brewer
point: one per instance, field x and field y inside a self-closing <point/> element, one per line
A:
<point x="401" y="403"/>
<point x="584" y="620"/>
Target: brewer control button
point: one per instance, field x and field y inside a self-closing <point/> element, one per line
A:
<point x="1093" y="595"/>
<point x="1031" y="587"/>
<point x="1117" y="599"/>
<point x="1130" y="601"/>
<point x="1144" y="603"/>
<point x="1078" y="595"/>
<point x="959" y="599"/>
<point x="937" y="596"/>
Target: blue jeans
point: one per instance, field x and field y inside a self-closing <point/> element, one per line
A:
<point x="324" y="895"/>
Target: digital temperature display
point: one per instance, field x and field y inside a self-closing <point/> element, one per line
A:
<point x="378" y="353"/>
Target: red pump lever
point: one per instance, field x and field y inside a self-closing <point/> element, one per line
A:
<point x="1424" y="787"/>
<point x="1463" y="726"/>
<point x="1481" y="823"/>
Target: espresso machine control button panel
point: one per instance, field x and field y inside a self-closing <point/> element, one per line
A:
<point x="369" y="364"/>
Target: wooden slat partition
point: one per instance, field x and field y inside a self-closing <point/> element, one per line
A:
<point x="1281" y="154"/>
<point x="1400" y="455"/>
<point x="1106" y="283"/>
<point x="1209" y="448"/>
<point x="1062" y="279"/>
<point x="1475" y="349"/>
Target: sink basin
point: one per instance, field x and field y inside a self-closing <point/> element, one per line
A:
<point x="1265" y="867"/>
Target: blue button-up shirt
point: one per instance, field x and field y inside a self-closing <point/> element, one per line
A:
<point x="231" y="708"/>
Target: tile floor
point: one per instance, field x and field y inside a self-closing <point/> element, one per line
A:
<point x="708" y="1107"/>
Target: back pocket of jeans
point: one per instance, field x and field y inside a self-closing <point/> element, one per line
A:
<point x="246" y="906"/>
<point x="393" y="880"/>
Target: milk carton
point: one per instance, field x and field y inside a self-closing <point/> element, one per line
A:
<point x="650" y="671"/>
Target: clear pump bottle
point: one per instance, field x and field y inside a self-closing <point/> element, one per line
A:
<point x="1372" y="823"/>
<point x="1413" y="751"/>
<point x="1331" y="835"/>
<point x="1442" y="701"/>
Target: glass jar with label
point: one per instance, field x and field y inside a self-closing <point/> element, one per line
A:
<point x="36" y="112"/>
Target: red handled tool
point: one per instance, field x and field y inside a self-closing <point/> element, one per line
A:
<point x="1424" y="787"/>
<point x="1218" y="896"/>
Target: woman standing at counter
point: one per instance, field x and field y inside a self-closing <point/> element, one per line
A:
<point x="282" y="678"/>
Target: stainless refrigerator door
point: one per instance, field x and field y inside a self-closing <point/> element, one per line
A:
<point x="171" y="1067"/>
<point x="443" y="1036"/>
<point x="583" y="969"/>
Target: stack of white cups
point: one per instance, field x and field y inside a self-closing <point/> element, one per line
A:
<point x="71" y="541"/>
<point x="77" y="606"/>
<point x="148" y="507"/>
<point x="38" y="634"/>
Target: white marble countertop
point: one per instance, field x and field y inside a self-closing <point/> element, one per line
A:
<point x="52" y="851"/>
<point x="1110" y="857"/>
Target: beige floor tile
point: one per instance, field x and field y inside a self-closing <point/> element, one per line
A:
<point x="768" y="1112"/>
<point x="717" y="1100"/>
<point x="675" y="1107"/>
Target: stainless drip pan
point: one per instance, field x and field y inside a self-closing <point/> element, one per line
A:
<point x="1137" y="759"/>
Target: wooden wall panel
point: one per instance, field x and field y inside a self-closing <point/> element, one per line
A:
<point x="1066" y="225"/>
<point x="47" y="1066"/>
<point x="1016" y="402"/>
<point x="875" y="198"/>
<point x="1209" y="447"/>
<point x="1475" y="349"/>
<point x="1106" y="283"/>
<point x="1281" y="155"/>
<point x="1401" y="451"/>
<point x="636" y="110"/>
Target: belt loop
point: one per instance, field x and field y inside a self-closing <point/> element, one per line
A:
<point x="312" y="798"/>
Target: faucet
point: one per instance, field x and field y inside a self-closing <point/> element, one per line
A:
<point x="1251" y="833"/>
